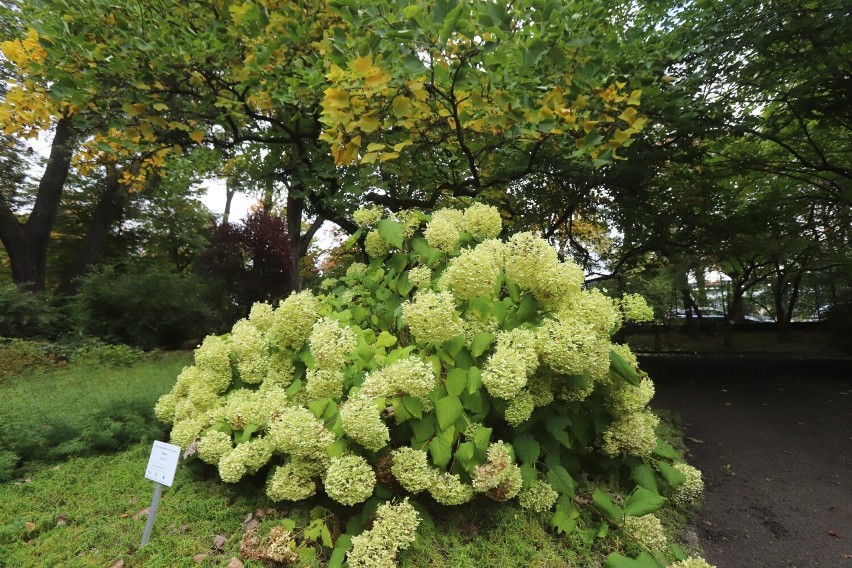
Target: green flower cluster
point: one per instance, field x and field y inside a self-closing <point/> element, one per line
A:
<point x="290" y="483"/>
<point x="512" y="362"/>
<point x="690" y="491"/>
<point x="443" y="231"/>
<point x="393" y="530"/>
<point x="420" y="276"/>
<point x="410" y="376"/>
<point x="292" y="321"/>
<point x="296" y="431"/>
<point x="411" y="469"/>
<point x="431" y="317"/>
<point x="362" y="422"/>
<point x="349" y="479"/>
<point x="475" y="271"/>
<point x="368" y="216"/>
<point x="331" y="343"/>
<point x="449" y="489"/>
<point x="375" y="246"/>
<point x="635" y="308"/>
<point x="632" y="434"/>
<point x="647" y="530"/>
<point x="540" y="497"/>
<point x="499" y="477"/>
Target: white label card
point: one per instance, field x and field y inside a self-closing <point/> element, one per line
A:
<point x="163" y="463"/>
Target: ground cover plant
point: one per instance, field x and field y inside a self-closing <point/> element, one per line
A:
<point x="97" y="403"/>
<point x="454" y="367"/>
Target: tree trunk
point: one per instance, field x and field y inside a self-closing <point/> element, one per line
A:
<point x="26" y="243"/>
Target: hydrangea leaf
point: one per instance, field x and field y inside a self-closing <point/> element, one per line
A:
<point x="441" y="451"/>
<point x="481" y="342"/>
<point x="392" y="231"/>
<point x="642" y="502"/>
<point x="456" y="381"/>
<point x="448" y="410"/>
<point x="644" y="476"/>
<point x="623" y="369"/>
<point x="561" y="480"/>
<point x="673" y="477"/>
<point x="608" y="509"/>
<point x="526" y="448"/>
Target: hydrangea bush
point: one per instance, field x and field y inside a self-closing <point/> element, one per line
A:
<point x="454" y="366"/>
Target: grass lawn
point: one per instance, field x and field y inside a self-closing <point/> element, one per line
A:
<point x="89" y="509"/>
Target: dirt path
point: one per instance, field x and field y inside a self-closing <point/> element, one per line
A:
<point x="774" y="441"/>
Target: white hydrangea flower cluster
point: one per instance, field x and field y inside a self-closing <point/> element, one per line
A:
<point x="375" y="246"/>
<point x="540" y="497"/>
<point x="475" y="271"/>
<point x="692" y="562"/>
<point x="647" y="530"/>
<point x="635" y="308"/>
<point x="533" y="264"/>
<point x="571" y="346"/>
<point x="249" y="343"/>
<point x="431" y="317"/>
<point x="410" y="376"/>
<point x="411" y="469"/>
<point x="482" y="221"/>
<point x="499" y="468"/>
<point x="513" y="361"/>
<point x="213" y="362"/>
<point x="442" y="232"/>
<point x="213" y="445"/>
<point x="296" y="431"/>
<point x="393" y="530"/>
<point x="293" y="321"/>
<point x="247" y="457"/>
<point x="349" y="479"/>
<point x="368" y="216"/>
<point x="322" y="383"/>
<point x="626" y="398"/>
<point x="449" y="489"/>
<point x="280" y="547"/>
<point x="633" y="434"/>
<point x="331" y="343"/>
<point x="356" y="269"/>
<point x="289" y="483"/>
<point x="420" y="277"/>
<point x="363" y="423"/>
<point x="520" y="408"/>
<point x="691" y="490"/>
<point x="594" y="309"/>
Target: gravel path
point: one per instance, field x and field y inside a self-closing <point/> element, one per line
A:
<point x="774" y="441"/>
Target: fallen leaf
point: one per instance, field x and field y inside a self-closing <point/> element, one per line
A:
<point x="125" y="515"/>
<point x="191" y="449"/>
<point x="834" y="534"/>
<point x="696" y="440"/>
<point x="265" y="512"/>
<point x="219" y="541"/>
<point x="30" y="526"/>
<point x="183" y="529"/>
<point x="251" y="525"/>
<point x="234" y="563"/>
<point x="199" y="558"/>
<point x="117" y="564"/>
<point x="140" y="513"/>
<point x="61" y="521"/>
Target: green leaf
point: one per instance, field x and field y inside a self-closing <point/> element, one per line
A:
<point x="677" y="552"/>
<point x="561" y="480"/>
<point x="526" y="448"/>
<point x="644" y="476"/>
<point x="673" y="477"/>
<point x="441" y="452"/>
<point x="350" y="242"/>
<point x="398" y="261"/>
<point x="664" y="450"/>
<point x="403" y="284"/>
<point x="245" y="434"/>
<point x="325" y="536"/>
<point x="465" y="454"/>
<point x="556" y="424"/>
<point x="392" y="231"/>
<point x="385" y="339"/>
<point x="423" y="429"/>
<point x="318" y="406"/>
<point x="343" y="544"/>
<point x="448" y="410"/>
<point x="456" y="381"/>
<point x="481" y="342"/>
<point x="474" y="402"/>
<point x="454" y="345"/>
<point x="564" y="519"/>
<point x="604" y="504"/>
<point x="482" y="438"/>
<point x="474" y="379"/>
<point x="641" y="502"/>
<point x="421" y="247"/>
<point x="623" y="369"/>
<point x="413" y="405"/>
<point x="338" y="448"/>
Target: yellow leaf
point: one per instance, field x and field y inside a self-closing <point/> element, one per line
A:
<point x="401" y="145"/>
<point x="628" y="116"/>
<point x="369" y="158"/>
<point x="160" y="106"/>
<point x="335" y="73"/>
<point x="363" y="65"/>
<point x="336" y="98"/>
<point x="375" y="147"/>
<point x="196" y="136"/>
<point x="634" y="97"/>
<point x="368" y="124"/>
<point x="388" y="156"/>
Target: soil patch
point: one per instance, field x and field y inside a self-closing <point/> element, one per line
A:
<point x="773" y="438"/>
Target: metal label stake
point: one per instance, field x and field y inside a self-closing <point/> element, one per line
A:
<point x="162" y="465"/>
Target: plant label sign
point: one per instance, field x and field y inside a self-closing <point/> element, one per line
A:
<point x="162" y="463"/>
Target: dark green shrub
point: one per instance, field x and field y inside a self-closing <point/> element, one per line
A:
<point x="147" y="307"/>
<point x="107" y="355"/>
<point x="19" y="355"/>
<point x="25" y="314"/>
<point x="8" y="463"/>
